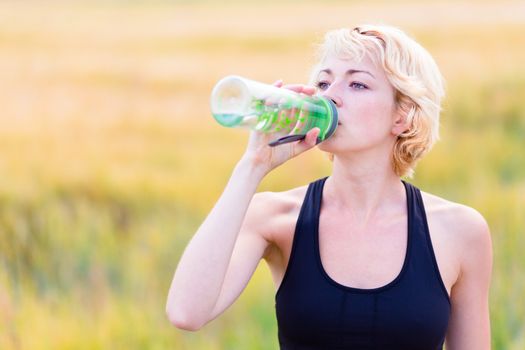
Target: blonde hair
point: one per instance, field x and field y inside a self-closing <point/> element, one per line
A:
<point x="412" y="72"/>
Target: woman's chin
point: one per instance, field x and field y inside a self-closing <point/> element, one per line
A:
<point x="326" y="145"/>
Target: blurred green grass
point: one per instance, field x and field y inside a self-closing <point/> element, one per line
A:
<point x="110" y="158"/>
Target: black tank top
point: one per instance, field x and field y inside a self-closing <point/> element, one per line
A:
<point x="315" y="312"/>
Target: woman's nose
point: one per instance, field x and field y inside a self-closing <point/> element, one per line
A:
<point x="337" y="101"/>
<point x="332" y="93"/>
<point x="334" y="98"/>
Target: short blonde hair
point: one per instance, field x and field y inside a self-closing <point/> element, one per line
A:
<point x="412" y="72"/>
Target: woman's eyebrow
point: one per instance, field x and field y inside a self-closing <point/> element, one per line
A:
<point x="348" y="72"/>
<point x="353" y="71"/>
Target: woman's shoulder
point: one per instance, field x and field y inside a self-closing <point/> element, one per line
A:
<point x="280" y="202"/>
<point x="463" y="235"/>
<point x="462" y="223"/>
<point x="273" y="214"/>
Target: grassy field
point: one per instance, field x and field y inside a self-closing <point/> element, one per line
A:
<point x="110" y="158"/>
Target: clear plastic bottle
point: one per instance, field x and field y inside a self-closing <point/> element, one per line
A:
<point x="241" y="102"/>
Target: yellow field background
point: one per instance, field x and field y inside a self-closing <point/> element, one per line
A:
<point x="110" y="159"/>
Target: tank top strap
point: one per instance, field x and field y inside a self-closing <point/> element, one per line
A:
<point x="308" y="220"/>
<point x="422" y="259"/>
<point x="313" y="199"/>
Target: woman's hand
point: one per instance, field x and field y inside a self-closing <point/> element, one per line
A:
<point x="267" y="158"/>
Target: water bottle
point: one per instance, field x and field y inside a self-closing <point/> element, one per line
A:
<point x="241" y="102"/>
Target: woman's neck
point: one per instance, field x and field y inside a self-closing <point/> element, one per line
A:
<point x="365" y="187"/>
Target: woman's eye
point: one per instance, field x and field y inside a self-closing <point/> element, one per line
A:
<point x="358" y="86"/>
<point x="322" y="85"/>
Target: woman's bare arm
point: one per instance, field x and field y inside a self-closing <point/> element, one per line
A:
<point x="223" y="254"/>
<point x="469" y="326"/>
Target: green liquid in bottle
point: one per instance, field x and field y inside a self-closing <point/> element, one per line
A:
<point x="228" y="120"/>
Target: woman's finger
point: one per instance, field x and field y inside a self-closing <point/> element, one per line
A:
<point x="307" y="143"/>
<point x="300" y="88"/>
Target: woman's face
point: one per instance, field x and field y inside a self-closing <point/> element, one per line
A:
<point x="365" y="101"/>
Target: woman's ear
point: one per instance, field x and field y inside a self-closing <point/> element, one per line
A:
<point x="401" y="122"/>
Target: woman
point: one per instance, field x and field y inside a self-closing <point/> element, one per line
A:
<point x="360" y="259"/>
